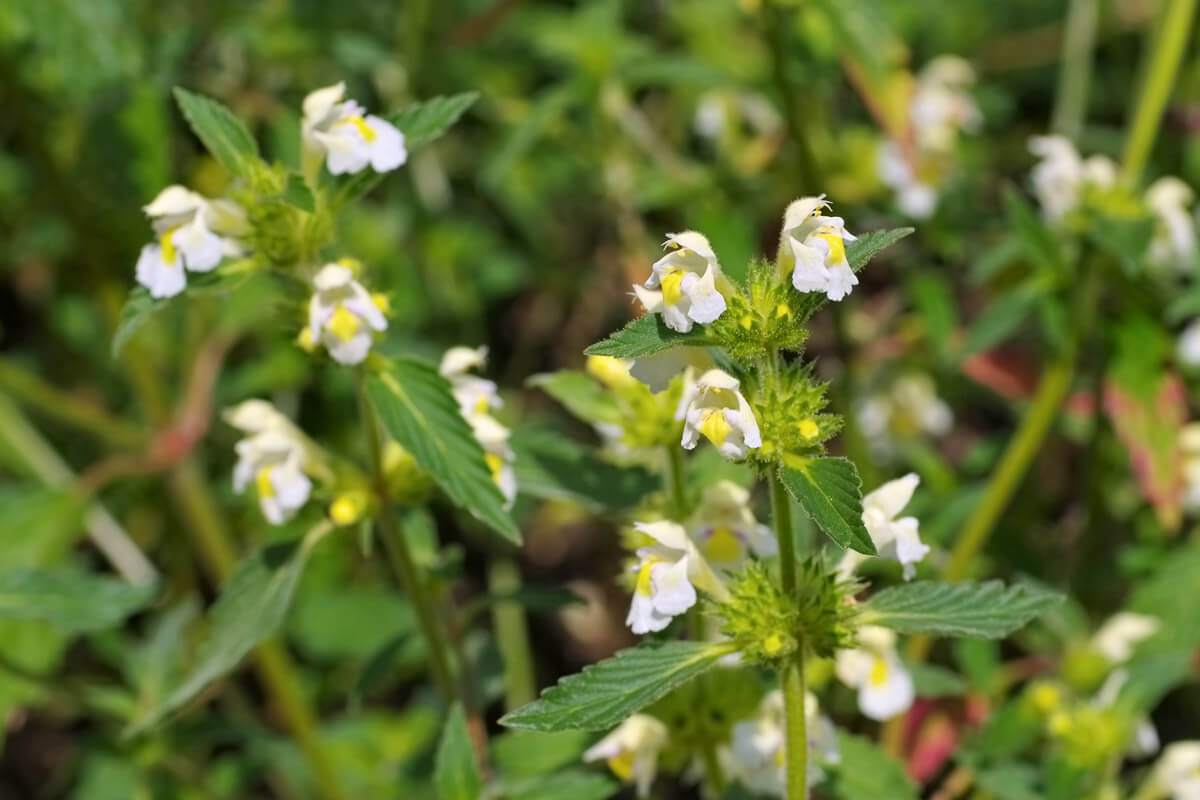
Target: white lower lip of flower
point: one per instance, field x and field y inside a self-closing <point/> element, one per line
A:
<point x="714" y="408"/>
<point x="272" y="462"/>
<point x="897" y="539"/>
<point x="342" y="316"/>
<point x="632" y="750"/>
<point x="161" y="278"/>
<point x="353" y="142"/>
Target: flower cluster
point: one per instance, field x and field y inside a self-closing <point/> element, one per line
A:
<point x="192" y="234"/>
<point x="273" y="457"/>
<point x="477" y="397"/>
<point x="342" y="316"/>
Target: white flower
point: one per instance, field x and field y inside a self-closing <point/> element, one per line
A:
<point x="1121" y="634"/>
<point x="894" y="538"/>
<point x="759" y="746"/>
<point x="348" y="139"/>
<point x="915" y="198"/>
<point x="342" y="316"/>
<point x="1189" y="444"/>
<point x="274" y="461"/>
<point x="1178" y="771"/>
<point x="257" y="416"/>
<point x="683" y="284"/>
<point x="885" y="687"/>
<point x="910" y="406"/>
<point x="498" y="456"/>
<point x="1061" y="177"/>
<point x="668" y="574"/>
<point x="724" y="527"/>
<point x="475" y="395"/>
<point x="632" y="750"/>
<point x="183" y="223"/>
<point x="941" y="105"/>
<point x="714" y="407"/>
<point x="1174" y="242"/>
<point x="1188" y="348"/>
<point x="817" y="246"/>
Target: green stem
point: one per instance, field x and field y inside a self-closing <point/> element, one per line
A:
<point x="1070" y="101"/>
<point x="779" y="25"/>
<point x="68" y="408"/>
<point x="400" y="554"/>
<point x="512" y="633"/>
<point x="1163" y="57"/>
<point x="274" y="666"/>
<point x="675" y="482"/>
<point x="792" y="681"/>
<point x="781" y="514"/>
<point x="712" y="766"/>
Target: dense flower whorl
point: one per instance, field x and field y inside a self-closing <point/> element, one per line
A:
<point x="816" y="244"/>
<point x="682" y="286"/>
<point x="668" y="574"/>
<point x="349" y="140"/>
<point x="185" y="226"/>
<point x="342" y="316"/>
<point x="885" y="687"/>
<point x="631" y="751"/>
<point x="714" y="408"/>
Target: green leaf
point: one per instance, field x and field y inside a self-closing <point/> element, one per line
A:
<point x="869" y="245"/>
<point x="1000" y="319"/>
<point x="935" y="681"/>
<point x="420" y="123"/>
<point x="1014" y="781"/>
<point x="565" y="786"/>
<point x="223" y="134"/>
<point x="988" y="610"/>
<point x="1041" y="245"/>
<point x="867" y="773"/>
<point x="528" y="754"/>
<point x="135" y="313"/>
<point x="605" y="694"/>
<point x="830" y="491"/>
<point x="455" y="772"/>
<point x="646" y="336"/>
<point x="140" y="307"/>
<point x="73" y="602"/>
<point x="552" y="467"/>
<point x="252" y="607"/>
<point x="418" y="410"/>
<point x="297" y="193"/>
<point x="580" y="394"/>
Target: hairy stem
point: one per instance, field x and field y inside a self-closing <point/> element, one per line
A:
<point x="1163" y="58"/>
<point x="676" y="495"/>
<point x="792" y="681"/>
<point x="400" y="554"/>
<point x="275" y="668"/>
<point x="1070" y="100"/>
<point x="512" y="633"/>
<point x="781" y="514"/>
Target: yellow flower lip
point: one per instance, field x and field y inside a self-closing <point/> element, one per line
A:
<point x="262" y="482"/>
<point x="343" y="324"/>
<point x="169" y="251"/>
<point x="672" y="287"/>
<point x="715" y="427"/>
<point x="364" y="130"/>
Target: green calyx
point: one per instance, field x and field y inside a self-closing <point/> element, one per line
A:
<point x="788" y="404"/>
<point x="763" y="317"/>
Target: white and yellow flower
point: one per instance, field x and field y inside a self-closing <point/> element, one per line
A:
<point x="1062" y="177"/>
<point x="631" y="751"/>
<point x="942" y="105"/>
<point x="725" y="530"/>
<point x="1122" y="633"/>
<point x="257" y="416"/>
<point x="915" y="197"/>
<point x="1174" y="242"/>
<point x="885" y="687"/>
<point x="1189" y="445"/>
<point x="713" y="407"/>
<point x="668" y="574"/>
<point x="682" y="286"/>
<point x="493" y="437"/>
<point x="896" y="539"/>
<point x="475" y="395"/>
<point x="346" y="136"/>
<point x="185" y="225"/>
<point x="759" y="746"/>
<point x="1177" y="772"/>
<point x="817" y="247"/>
<point x="909" y="406"/>
<point x="274" y="462"/>
<point x="342" y="316"/>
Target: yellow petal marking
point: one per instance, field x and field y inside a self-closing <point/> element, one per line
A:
<point x="262" y="482"/>
<point x="495" y="464"/>
<point x="879" y="673"/>
<point x="169" y="251"/>
<point x="837" y="248"/>
<point x="672" y="293"/>
<point x="343" y="324"/>
<point x="364" y="130"/>
<point x="622" y="764"/>
<point x="723" y="546"/>
<point x="642" y="586"/>
<point x="715" y="427"/>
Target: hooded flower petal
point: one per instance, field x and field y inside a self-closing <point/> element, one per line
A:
<point x="713" y="407"/>
<point x="885" y="687"/>
<point x="667" y="576"/>
<point x="342" y="316"/>
<point x="349" y="138"/>
<point x="817" y="246"/>
<point x="682" y="286"/>
<point x="631" y="751"/>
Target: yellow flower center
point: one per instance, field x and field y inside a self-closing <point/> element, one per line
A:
<point x="879" y="673"/>
<point x="622" y="764"/>
<point x="364" y="130"/>
<point x="783" y="310"/>
<point x="723" y="546"/>
<point x="715" y="427"/>
<point x="808" y="428"/>
<point x="495" y="463"/>
<point x="642" y="586"/>
<point x="671" y="287"/>
<point x="343" y="324"/>
<point x="837" y="248"/>
<point x="262" y="482"/>
<point x="169" y="251"/>
<point x="481" y="405"/>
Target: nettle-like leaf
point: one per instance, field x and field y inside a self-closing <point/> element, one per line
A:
<point x="419" y="411"/>
<point x="869" y="245"/>
<point x="421" y="123"/>
<point x="71" y="601"/>
<point x="223" y="134"/>
<point x="455" y="771"/>
<point x="251" y="608"/>
<point x="646" y="336"/>
<point x="1147" y="421"/>
<point x="988" y="610"/>
<point x="865" y="772"/>
<point x="830" y="491"/>
<point x="605" y="694"/>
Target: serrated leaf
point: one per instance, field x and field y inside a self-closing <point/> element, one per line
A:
<point x="580" y="394"/>
<point x="646" y="336"/>
<point x="605" y="694"/>
<point x="420" y="123"/>
<point x="252" y="607"/>
<point x="455" y="772"/>
<point x="419" y="411"/>
<point x="869" y="245"/>
<point x="550" y="466"/>
<point x="989" y="610"/>
<point x="222" y="133"/>
<point x="865" y="772"/>
<point x="72" y="602"/>
<point x="830" y="491"/>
